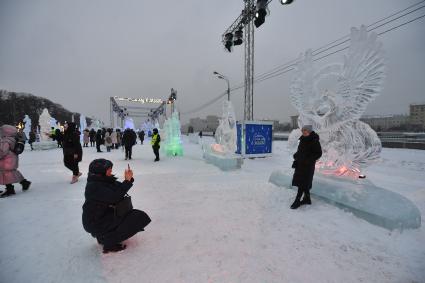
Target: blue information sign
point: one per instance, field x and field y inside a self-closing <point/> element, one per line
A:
<point x="258" y="139"/>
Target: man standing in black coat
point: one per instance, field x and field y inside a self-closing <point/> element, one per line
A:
<point x="92" y="136"/>
<point x="142" y="136"/>
<point x="100" y="217"/>
<point x="129" y="139"/>
<point x="72" y="150"/>
<point x="99" y="140"/>
<point x="32" y="138"/>
<point x="308" y="152"/>
<point x="59" y="137"/>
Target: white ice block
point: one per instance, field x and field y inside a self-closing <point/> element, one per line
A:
<point x="224" y="162"/>
<point x="43" y="145"/>
<point x="194" y="138"/>
<point x="361" y="197"/>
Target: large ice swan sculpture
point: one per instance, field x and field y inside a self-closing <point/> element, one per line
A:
<point x="333" y="98"/>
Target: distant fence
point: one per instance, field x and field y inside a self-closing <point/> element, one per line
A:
<point x="388" y="139"/>
<point x="280" y="136"/>
<point x="402" y="140"/>
<point x="401" y="144"/>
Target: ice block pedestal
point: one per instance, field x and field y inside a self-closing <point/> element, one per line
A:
<point x="194" y="138"/>
<point x="225" y="162"/>
<point x="42" y="145"/>
<point x="361" y="197"/>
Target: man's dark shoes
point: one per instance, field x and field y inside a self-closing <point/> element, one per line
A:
<point x="306" y="200"/>
<point x="114" y="248"/>
<point x="296" y="204"/>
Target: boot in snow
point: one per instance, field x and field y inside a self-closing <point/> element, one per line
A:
<point x="74" y="179"/>
<point x="25" y="184"/>
<point x="8" y="192"/>
<point x="296" y="204"/>
<point x="306" y="199"/>
<point x="114" y="248"/>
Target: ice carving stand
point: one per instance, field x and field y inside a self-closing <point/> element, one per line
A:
<point x="362" y="198"/>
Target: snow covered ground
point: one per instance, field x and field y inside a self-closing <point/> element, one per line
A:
<point x="207" y="225"/>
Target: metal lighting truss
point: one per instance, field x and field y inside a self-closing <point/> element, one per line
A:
<point x="245" y="22"/>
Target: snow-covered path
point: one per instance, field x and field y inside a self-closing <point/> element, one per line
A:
<point x="207" y="225"/>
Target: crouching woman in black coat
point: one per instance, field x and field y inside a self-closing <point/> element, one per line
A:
<point x="308" y="152"/>
<point x="100" y="217"/>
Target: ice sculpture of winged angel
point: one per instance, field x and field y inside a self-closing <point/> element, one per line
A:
<point x="334" y="97"/>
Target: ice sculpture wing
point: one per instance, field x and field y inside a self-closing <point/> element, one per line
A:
<point x="302" y="85"/>
<point x="362" y="75"/>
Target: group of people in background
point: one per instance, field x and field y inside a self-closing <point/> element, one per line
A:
<point x="110" y="138"/>
<point x="89" y="137"/>
<point x="69" y="141"/>
<point x="54" y="134"/>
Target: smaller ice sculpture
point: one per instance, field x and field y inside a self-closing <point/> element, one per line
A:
<point x="96" y="124"/>
<point x="226" y="134"/>
<point x="147" y="127"/>
<point x="45" y="125"/>
<point x="44" y="130"/>
<point x="157" y="124"/>
<point x="28" y="124"/>
<point x="83" y="125"/>
<point x="53" y="123"/>
<point x="172" y="144"/>
<point x="222" y="154"/>
<point x="129" y="123"/>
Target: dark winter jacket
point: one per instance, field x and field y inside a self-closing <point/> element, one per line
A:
<point x="99" y="138"/>
<point x="142" y="135"/>
<point x="129" y="138"/>
<point x="309" y="150"/>
<point x="71" y="143"/>
<point x="58" y="135"/>
<point x="92" y="135"/>
<point x="32" y="137"/>
<point x="102" y="191"/>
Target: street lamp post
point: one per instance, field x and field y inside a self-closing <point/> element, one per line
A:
<point x="220" y="76"/>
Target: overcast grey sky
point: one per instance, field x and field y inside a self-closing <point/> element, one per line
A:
<point x="79" y="53"/>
